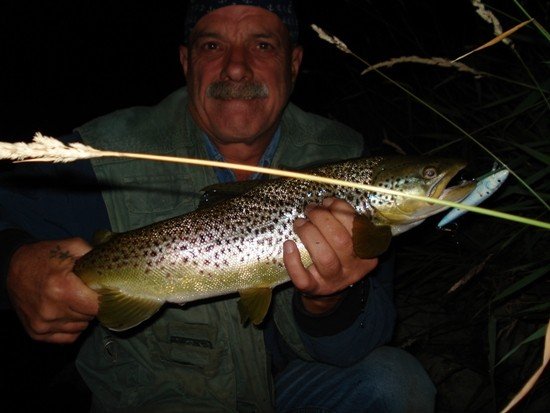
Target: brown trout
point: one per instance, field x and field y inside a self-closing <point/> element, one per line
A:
<point x="236" y="245"/>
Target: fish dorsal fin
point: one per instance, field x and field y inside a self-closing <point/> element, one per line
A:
<point x="254" y="304"/>
<point x="102" y="236"/>
<point x="369" y="240"/>
<point x="213" y="194"/>
<point x="119" y="311"/>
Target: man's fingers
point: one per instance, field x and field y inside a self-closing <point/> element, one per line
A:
<point x="53" y="304"/>
<point x="334" y="219"/>
<point x="320" y="250"/>
<point x="300" y="276"/>
<point x="44" y="328"/>
<point x="72" y="327"/>
<point x="57" y="338"/>
<point x="342" y="211"/>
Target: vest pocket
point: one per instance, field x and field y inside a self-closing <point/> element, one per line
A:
<point x="190" y="345"/>
<point x="192" y="356"/>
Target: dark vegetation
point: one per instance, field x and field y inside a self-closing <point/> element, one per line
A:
<point x="70" y="61"/>
<point x="460" y="336"/>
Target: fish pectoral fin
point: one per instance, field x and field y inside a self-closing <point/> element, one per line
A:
<point x="369" y="240"/>
<point x="254" y="304"/>
<point x="119" y="311"/>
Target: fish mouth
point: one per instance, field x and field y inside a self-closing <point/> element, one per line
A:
<point x="442" y="191"/>
<point x="458" y="192"/>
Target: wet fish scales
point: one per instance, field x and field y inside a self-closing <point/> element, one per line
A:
<point x="236" y="245"/>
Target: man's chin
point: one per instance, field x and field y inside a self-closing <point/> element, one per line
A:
<point x="229" y="134"/>
<point x="240" y="114"/>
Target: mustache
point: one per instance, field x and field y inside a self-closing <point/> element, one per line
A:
<point x="227" y="90"/>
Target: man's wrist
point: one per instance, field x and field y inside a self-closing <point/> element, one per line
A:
<point x="320" y="304"/>
<point x="329" y="321"/>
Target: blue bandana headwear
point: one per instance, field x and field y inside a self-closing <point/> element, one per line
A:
<point x="282" y="8"/>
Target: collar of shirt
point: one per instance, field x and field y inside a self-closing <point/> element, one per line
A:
<point x="227" y="175"/>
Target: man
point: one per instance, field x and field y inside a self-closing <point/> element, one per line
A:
<point x="321" y="347"/>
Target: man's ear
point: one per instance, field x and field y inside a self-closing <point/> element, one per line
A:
<point x="296" y="61"/>
<point x="184" y="54"/>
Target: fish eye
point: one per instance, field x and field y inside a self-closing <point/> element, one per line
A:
<point x="429" y="172"/>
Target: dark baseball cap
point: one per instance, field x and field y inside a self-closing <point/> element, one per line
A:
<point x="282" y="8"/>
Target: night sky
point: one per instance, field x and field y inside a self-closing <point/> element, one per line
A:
<point x="64" y="63"/>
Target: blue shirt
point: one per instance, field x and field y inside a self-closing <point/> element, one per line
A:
<point x="227" y="175"/>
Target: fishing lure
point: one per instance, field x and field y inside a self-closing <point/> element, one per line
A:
<point x="486" y="186"/>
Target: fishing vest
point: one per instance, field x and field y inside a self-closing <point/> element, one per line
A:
<point x="199" y="357"/>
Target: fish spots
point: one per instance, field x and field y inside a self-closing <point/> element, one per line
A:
<point x="240" y="237"/>
<point x="378" y="199"/>
<point x="116" y="259"/>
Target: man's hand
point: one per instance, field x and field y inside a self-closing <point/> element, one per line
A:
<point x="326" y="234"/>
<point x="53" y="304"/>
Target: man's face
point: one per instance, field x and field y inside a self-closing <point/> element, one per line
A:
<point x="240" y="70"/>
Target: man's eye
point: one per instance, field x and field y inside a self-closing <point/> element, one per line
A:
<point x="265" y="46"/>
<point x="210" y="46"/>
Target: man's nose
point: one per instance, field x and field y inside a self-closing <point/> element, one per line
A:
<point x="236" y="66"/>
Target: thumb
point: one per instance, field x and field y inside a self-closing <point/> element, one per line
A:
<point x="81" y="298"/>
<point x="77" y="246"/>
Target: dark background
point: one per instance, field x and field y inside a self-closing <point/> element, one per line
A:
<point x="63" y="63"/>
